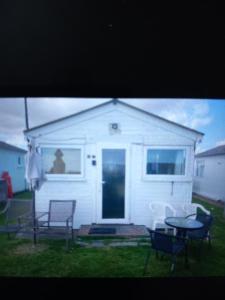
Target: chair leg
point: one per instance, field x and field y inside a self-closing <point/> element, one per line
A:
<point x="72" y="234"/>
<point x="186" y="255"/>
<point x="173" y="263"/>
<point x="67" y="240"/>
<point x="200" y="249"/>
<point x="146" y="263"/>
<point x="210" y="241"/>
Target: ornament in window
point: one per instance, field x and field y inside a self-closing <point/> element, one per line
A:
<point x="58" y="164"/>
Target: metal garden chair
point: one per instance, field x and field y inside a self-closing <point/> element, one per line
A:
<point x="59" y="216"/>
<point x="15" y="216"/>
<point x="166" y="244"/>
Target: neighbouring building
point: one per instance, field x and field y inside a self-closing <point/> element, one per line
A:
<point x="209" y="180"/>
<point x="12" y="161"/>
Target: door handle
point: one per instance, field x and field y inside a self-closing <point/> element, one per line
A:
<point x="103" y="182"/>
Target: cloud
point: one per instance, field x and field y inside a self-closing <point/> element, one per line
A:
<point x="193" y="115"/>
<point x="40" y="110"/>
<point x="220" y="143"/>
<point x="52" y="109"/>
<point x="199" y="149"/>
<point x="200" y="109"/>
<point x="198" y="122"/>
<point x="207" y="147"/>
<point x="11" y="115"/>
<point x="190" y="113"/>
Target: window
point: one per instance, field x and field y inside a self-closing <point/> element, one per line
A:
<point x="19" y="161"/>
<point x="200" y="169"/>
<point x="62" y="161"/>
<point x="165" y="162"/>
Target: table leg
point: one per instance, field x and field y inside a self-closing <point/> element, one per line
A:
<point x="186" y="250"/>
<point x="186" y="256"/>
<point x="182" y="233"/>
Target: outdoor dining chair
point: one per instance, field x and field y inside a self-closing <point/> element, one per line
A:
<point x="15" y="216"/>
<point x="60" y="216"/>
<point x="166" y="244"/>
<point x="203" y="233"/>
<point x="158" y="212"/>
<point x="191" y="209"/>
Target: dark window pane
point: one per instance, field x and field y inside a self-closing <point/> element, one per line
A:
<point x="113" y="174"/>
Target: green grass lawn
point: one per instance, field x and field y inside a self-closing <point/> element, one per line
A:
<point x="23" y="195"/>
<point x="18" y="258"/>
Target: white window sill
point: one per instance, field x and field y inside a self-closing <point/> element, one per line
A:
<point x="65" y="178"/>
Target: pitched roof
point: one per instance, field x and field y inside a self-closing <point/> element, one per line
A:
<point x="6" y="146"/>
<point x="220" y="150"/>
<point x="114" y="101"/>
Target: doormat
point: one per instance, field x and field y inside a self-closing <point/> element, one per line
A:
<point x="102" y="230"/>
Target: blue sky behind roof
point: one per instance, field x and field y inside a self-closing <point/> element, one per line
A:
<point x="215" y="131"/>
<point x="207" y="116"/>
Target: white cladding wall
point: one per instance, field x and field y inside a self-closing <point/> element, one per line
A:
<point x="145" y="191"/>
<point x="83" y="191"/>
<point x="212" y="184"/>
<point x="136" y="130"/>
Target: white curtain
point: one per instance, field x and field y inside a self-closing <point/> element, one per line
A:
<point x="179" y="162"/>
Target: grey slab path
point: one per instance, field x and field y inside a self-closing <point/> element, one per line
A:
<point x="101" y="244"/>
<point x="126" y="236"/>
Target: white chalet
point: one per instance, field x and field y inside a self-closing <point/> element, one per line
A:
<point x="114" y="159"/>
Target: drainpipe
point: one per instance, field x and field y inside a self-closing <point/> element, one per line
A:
<point x="32" y="190"/>
<point x="195" y="146"/>
<point x="26" y="113"/>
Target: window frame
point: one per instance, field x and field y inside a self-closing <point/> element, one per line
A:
<point x="199" y="164"/>
<point x="19" y="158"/>
<point x="165" y="177"/>
<point x="66" y="177"/>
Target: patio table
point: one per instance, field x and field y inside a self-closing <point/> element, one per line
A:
<point x="183" y="225"/>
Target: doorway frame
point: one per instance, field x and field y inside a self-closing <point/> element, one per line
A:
<point x="100" y="147"/>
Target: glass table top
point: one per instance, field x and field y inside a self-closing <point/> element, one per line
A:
<point x="183" y="223"/>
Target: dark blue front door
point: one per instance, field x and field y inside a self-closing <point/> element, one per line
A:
<point x="113" y="176"/>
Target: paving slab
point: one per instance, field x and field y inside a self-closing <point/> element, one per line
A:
<point x="123" y="244"/>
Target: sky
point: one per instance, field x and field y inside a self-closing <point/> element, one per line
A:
<point x="204" y="115"/>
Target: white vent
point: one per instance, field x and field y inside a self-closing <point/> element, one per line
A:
<point x="114" y="128"/>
